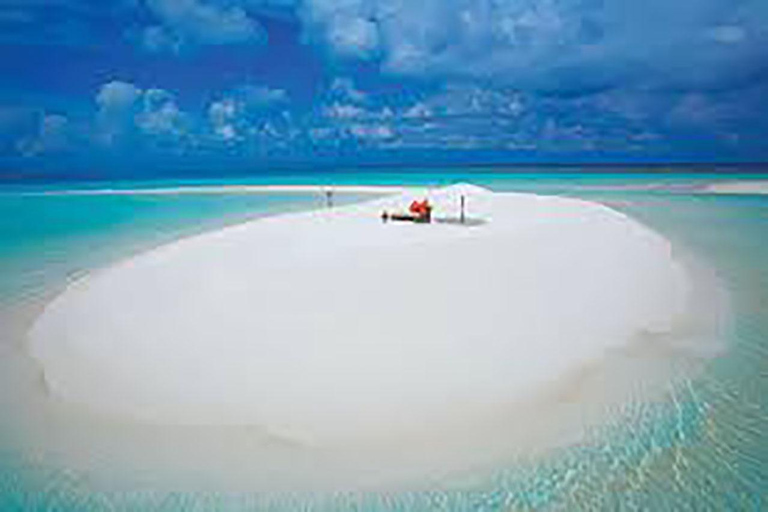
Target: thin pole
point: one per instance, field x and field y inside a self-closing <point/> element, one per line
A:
<point x="462" y="209"/>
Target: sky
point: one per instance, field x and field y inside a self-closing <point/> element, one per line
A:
<point x="142" y="87"/>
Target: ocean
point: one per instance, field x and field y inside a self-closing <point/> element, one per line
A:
<point x="702" y="446"/>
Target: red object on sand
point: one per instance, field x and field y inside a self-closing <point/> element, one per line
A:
<point x="417" y="212"/>
<point x="420" y="208"/>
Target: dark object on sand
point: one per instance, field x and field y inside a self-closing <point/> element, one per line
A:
<point x="419" y="211"/>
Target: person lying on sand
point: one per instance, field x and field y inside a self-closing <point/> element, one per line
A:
<point x="419" y="211"/>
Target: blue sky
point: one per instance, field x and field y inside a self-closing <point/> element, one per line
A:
<point x="139" y="86"/>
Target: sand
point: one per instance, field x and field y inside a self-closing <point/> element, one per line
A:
<point x="224" y="190"/>
<point x="332" y="325"/>
<point x="738" y="187"/>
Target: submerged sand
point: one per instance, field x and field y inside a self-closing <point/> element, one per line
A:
<point x="754" y="186"/>
<point x="331" y="325"/>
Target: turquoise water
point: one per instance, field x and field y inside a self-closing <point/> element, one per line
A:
<point x="704" y="446"/>
<point x="46" y="237"/>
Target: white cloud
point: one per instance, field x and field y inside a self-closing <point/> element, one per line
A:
<point x="158" y="39"/>
<point x="454" y="116"/>
<point x="372" y="132"/>
<point x="257" y="97"/>
<point x="343" y="101"/>
<point x="200" y="22"/>
<point x="728" y="34"/>
<point x="52" y="136"/>
<point x="321" y="133"/>
<point x="247" y="111"/>
<point x="124" y="110"/>
<point x="344" y="89"/>
<point x="223" y="116"/>
<point x="418" y="111"/>
<point x="54" y="129"/>
<point x="117" y="96"/>
<point x="341" y="111"/>
<point x="222" y="112"/>
<point x="226" y="132"/>
<point x="117" y="104"/>
<point x="353" y="37"/>
<point x="15" y="122"/>
<point x="160" y="115"/>
<point x="464" y="100"/>
<point x="550" y="45"/>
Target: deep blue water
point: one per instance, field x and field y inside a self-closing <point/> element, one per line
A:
<point x="704" y="447"/>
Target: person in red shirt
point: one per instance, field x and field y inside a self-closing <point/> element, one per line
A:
<point x="421" y="210"/>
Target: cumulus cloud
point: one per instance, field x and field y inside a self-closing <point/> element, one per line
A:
<point x="258" y="120"/>
<point x="128" y="116"/>
<point x="158" y="39"/>
<point x="372" y="132"/>
<point x="356" y="37"/>
<point x="551" y="45"/>
<point x="367" y="133"/>
<point x="223" y="115"/>
<point x="16" y="122"/>
<point x="116" y="97"/>
<point x="245" y="111"/>
<point x="53" y="132"/>
<point x="347" y="27"/>
<point x="160" y="115"/>
<point x="344" y="89"/>
<point x="117" y="103"/>
<point x="472" y="117"/>
<point x="728" y="34"/>
<point x="565" y="47"/>
<point x="52" y="136"/>
<point x="125" y="111"/>
<point x="469" y="100"/>
<point x="199" y="22"/>
<point x="259" y="96"/>
<point x="341" y="111"/>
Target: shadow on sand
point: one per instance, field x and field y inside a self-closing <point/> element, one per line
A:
<point x="468" y="222"/>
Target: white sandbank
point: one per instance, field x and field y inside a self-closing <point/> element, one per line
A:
<point x="738" y="187"/>
<point x="331" y="325"/>
<point x="224" y="189"/>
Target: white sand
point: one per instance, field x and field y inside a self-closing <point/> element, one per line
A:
<point x="224" y="190"/>
<point x="332" y="325"/>
<point x="738" y="187"/>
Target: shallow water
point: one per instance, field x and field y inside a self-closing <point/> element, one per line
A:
<point x="702" y="445"/>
